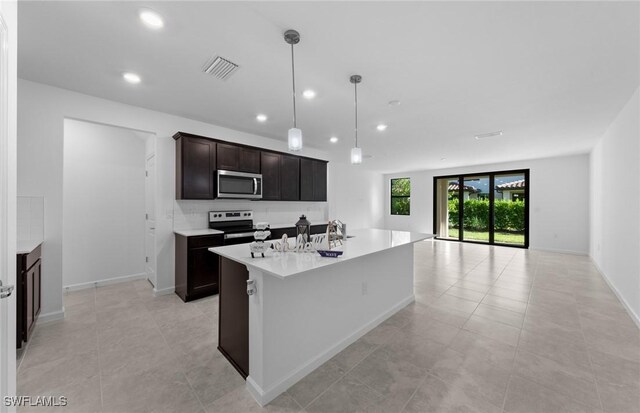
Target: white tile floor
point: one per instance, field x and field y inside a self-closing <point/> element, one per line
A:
<point x="493" y="329"/>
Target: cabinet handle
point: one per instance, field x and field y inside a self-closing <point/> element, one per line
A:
<point x="251" y="287"/>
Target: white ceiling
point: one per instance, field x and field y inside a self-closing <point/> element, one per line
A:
<point x="551" y="75"/>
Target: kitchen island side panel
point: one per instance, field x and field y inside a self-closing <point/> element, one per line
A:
<point x="298" y="323"/>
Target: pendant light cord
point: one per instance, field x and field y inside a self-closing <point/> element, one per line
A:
<point x="293" y="75"/>
<point x="355" y="85"/>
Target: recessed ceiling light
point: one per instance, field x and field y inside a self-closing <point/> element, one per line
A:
<point x="309" y="94"/>
<point x="261" y="118"/>
<point x="443" y="159"/>
<point x="333" y="139"/>
<point x="151" y="19"/>
<point x="489" y="135"/>
<point x="394" y="103"/>
<point x="131" y="78"/>
<point x="381" y="127"/>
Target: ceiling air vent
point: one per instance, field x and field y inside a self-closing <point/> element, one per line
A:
<point x="220" y="68"/>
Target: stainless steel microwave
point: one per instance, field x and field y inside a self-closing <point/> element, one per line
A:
<point x="239" y="185"/>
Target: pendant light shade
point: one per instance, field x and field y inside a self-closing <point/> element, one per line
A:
<point x="356" y="155"/>
<point x="356" y="152"/>
<point x="294" y="137"/>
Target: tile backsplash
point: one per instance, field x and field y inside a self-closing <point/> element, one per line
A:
<point x="30" y="218"/>
<point x="194" y="214"/>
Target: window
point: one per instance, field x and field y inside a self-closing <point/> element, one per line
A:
<point x="401" y="196"/>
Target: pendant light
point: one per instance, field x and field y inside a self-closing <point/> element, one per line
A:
<point x="356" y="152"/>
<point x="295" y="135"/>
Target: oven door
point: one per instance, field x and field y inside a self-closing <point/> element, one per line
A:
<point x="238" y="238"/>
<point x="239" y="185"/>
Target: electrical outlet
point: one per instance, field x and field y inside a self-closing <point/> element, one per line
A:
<point x="365" y="289"/>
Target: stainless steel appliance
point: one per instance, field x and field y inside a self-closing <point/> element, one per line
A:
<point x="237" y="225"/>
<point x="239" y="185"/>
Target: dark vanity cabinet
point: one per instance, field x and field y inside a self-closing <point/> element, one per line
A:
<point x="232" y="157"/>
<point x="195" y="167"/>
<point x="313" y="180"/>
<point x="271" y="190"/>
<point x="196" y="273"/>
<point x="28" y="293"/>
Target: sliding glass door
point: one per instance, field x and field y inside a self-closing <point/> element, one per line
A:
<point x="489" y="207"/>
<point x="475" y="208"/>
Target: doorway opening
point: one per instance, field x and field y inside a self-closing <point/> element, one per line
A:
<point x="108" y="205"/>
<point x="487" y="208"/>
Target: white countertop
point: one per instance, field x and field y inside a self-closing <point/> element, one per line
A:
<point x="26" y="246"/>
<point x="285" y="264"/>
<point x="197" y="232"/>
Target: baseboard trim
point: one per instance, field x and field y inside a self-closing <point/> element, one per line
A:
<point x="626" y="305"/>
<point x="52" y="316"/>
<point x="583" y="253"/>
<point x="265" y="396"/>
<point x="107" y="281"/>
<point x="164" y="291"/>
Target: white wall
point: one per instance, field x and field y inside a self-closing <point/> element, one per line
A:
<point x="356" y="196"/>
<point x="103" y="203"/>
<point x="41" y="113"/>
<point x="559" y="199"/>
<point x="615" y="205"/>
<point x="9" y="13"/>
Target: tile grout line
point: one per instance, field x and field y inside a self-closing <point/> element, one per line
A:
<point x="155" y="322"/>
<point x="593" y="370"/>
<point x="544" y="385"/>
<point x="515" y="355"/>
<point x="95" y="309"/>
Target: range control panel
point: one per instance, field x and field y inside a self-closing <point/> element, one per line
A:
<point x="223" y="216"/>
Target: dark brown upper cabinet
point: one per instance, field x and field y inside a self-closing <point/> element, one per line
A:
<point x="195" y="167"/>
<point x="237" y="158"/>
<point x="249" y="160"/>
<point x="313" y="180"/>
<point x="285" y="177"/>
<point x="290" y="178"/>
<point x="271" y="176"/>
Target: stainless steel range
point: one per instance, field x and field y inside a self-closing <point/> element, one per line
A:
<point x="237" y="225"/>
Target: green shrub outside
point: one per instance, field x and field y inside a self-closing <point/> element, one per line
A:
<point x="509" y="215"/>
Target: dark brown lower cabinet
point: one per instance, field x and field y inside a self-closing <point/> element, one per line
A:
<point x="277" y="233"/>
<point x="196" y="268"/>
<point x="233" y="330"/>
<point x="28" y="294"/>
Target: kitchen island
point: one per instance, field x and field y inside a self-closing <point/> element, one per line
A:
<point x="305" y="308"/>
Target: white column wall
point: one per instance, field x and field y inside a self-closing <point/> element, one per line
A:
<point x="615" y="205"/>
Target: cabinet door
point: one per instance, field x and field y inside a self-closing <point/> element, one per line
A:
<point x="249" y="160"/>
<point x="233" y="330"/>
<point x="30" y="314"/>
<point x="270" y="165"/>
<point x="319" y="181"/>
<point x="306" y="179"/>
<point x="203" y="271"/>
<point x="290" y="178"/>
<point x="37" y="283"/>
<point x="228" y="157"/>
<point x="197" y="167"/>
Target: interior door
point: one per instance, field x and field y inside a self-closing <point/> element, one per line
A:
<point x="7" y="226"/>
<point x="150" y="228"/>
